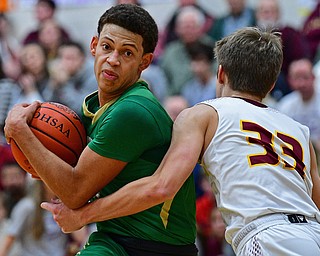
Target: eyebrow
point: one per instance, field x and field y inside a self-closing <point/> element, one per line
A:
<point x="127" y="44"/>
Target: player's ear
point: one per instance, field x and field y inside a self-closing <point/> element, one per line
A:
<point x="93" y="45"/>
<point x="146" y="61"/>
<point x="274" y="84"/>
<point x="220" y="75"/>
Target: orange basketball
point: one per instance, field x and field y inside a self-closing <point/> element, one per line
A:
<point x="60" y="130"/>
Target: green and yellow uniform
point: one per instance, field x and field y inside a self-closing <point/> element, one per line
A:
<point x="137" y="130"/>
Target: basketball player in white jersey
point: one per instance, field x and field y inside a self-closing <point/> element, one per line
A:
<point x="261" y="164"/>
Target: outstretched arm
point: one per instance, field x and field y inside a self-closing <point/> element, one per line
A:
<point x="188" y="138"/>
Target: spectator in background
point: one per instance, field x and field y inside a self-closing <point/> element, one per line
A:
<point x="5" y="156"/>
<point x="240" y="15"/>
<point x="9" y="47"/>
<point x="205" y="202"/>
<point x="170" y="34"/>
<point x="268" y="15"/>
<point x="44" y="10"/>
<point x="311" y="30"/>
<point x="316" y="71"/>
<point x="203" y="85"/>
<point x="175" y="60"/>
<point x="174" y="105"/>
<point x="4" y="222"/>
<point x="3" y="215"/>
<point x="13" y="181"/>
<point x="50" y="37"/>
<point x="303" y="103"/>
<point x="3" y="210"/>
<point x="72" y="76"/>
<point x="217" y="244"/>
<point x="34" y="77"/>
<point x="77" y="240"/>
<point x="9" y="95"/>
<point x="157" y="81"/>
<point x="33" y="227"/>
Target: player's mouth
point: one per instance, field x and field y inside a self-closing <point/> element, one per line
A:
<point x="107" y="74"/>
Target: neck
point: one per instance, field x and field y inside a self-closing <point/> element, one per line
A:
<point x="105" y="98"/>
<point x="109" y="98"/>
<point x="246" y="96"/>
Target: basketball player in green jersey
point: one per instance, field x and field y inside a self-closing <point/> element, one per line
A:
<point x="129" y="134"/>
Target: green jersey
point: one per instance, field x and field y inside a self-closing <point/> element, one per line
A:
<point x="137" y="130"/>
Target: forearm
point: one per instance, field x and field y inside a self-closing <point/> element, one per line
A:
<point x="130" y="199"/>
<point x="49" y="167"/>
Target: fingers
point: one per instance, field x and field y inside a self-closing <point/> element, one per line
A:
<point x="18" y="116"/>
<point x="34" y="105"/>
<point x="55" y="209"/>
<point x="23" y="104"/>
<point x="51" y="207"/>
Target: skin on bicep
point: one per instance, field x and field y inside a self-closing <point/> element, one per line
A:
<point x="315" y="177"/>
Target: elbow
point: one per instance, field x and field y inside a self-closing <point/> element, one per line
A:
<point x="75" y="201"/>
<point x="160" y="192"/>
<point x="165" y="193"/>
<point x="72" y="205"/>
<point x="76" y="195"/>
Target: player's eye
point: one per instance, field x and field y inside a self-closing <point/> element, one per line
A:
<point x="128" y="53"/>
<point x="106" y="46"/>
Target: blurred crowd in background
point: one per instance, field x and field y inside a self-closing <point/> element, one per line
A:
<point x="49" y="64"/>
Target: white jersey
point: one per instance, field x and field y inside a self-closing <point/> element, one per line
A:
<point x="253" y="163"/>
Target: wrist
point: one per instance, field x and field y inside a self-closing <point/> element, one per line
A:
<point x="86" y="215"/>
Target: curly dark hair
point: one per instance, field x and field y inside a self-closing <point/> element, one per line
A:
<point x="135" y="19"/>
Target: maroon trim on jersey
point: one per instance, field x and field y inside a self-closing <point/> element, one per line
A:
<point x="253" y="102"/>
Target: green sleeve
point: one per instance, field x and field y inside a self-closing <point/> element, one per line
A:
<point x="128" y="131"/>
